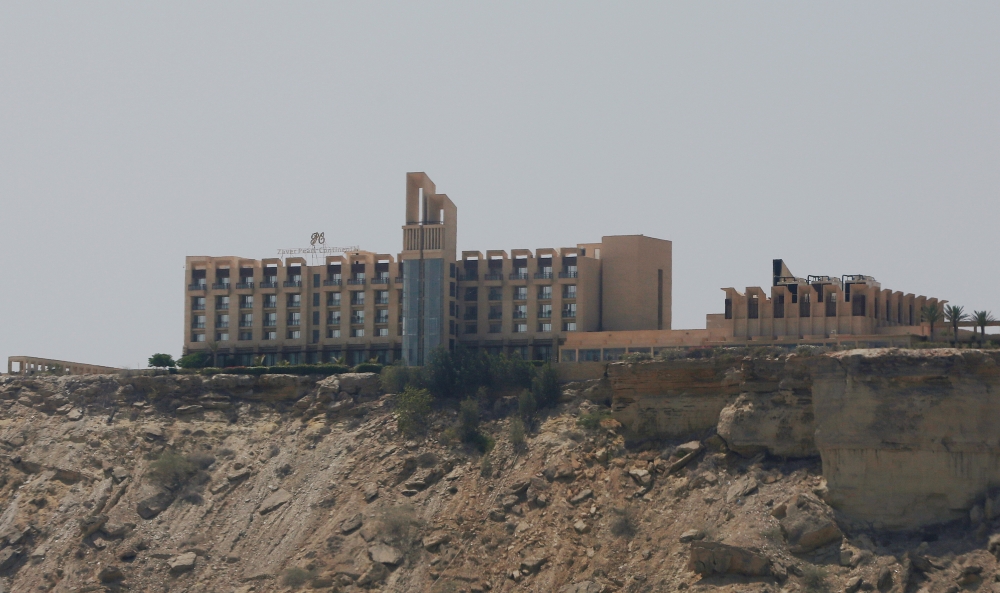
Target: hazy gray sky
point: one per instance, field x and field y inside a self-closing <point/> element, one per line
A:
<point x="843" y="137"/>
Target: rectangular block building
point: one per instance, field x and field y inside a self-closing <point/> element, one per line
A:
<point x="362" y="305"/>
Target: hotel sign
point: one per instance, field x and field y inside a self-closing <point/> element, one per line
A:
<point x="317" y="248"/>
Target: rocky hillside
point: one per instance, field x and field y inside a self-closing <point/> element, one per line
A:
<point x="278" y="483"/>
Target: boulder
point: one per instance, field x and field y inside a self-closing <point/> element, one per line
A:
<point x="690" y="535"/>
<point x="182" y="563"/>
<point x="110" y="574"/>
<point x="8" y="558"/>
<point x="741" y="488"/>
<point x="90" y="525"/>
<point x="435" y="540"/>
<point x="581" y="527"/>
<point x="582" y="496"/>
<point x="370" y="491"/>
<point x="352" y="524"/>
<point x="363" y="386"/>
<point x="583" y="587"/>
<point x="779" y="423"/>
<point x="375" y="573"/>
<point x="385" y="555"/>
<point x="274" y="501"/>
<point x="709" y="558"/>
<point x="808" y="524"/>
<point x="533" y="564"/>
<point x="149" y="508"/>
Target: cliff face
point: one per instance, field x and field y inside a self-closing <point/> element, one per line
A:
<point x="908" y="437"/>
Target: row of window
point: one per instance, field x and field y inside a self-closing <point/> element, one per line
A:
<point x="520" y="293"/>
<point x="292" y="334"/>
<point x="544" y="311"/>
<point x="518" y="328"/>
<point x="333" y="299"/>
<point x="294" y="318"/>
<point x="805" y="307"/>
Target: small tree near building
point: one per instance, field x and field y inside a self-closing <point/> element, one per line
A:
<point x="162" y="361"/>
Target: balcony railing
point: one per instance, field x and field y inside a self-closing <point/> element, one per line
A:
<point x="468" y="276"/>
<point x="566" y="314"/>
<point x="493" y="277"/>
<point x="246" y="324"/>
<point x="381" y="301"/>
<point x="246" y="304"/>
<point x="244" y="285"/>
<point x="270" y="324"/>
<point x="356" y="281"/>
<point x="357" y="320"/>
<point x="293" y="323"/>
<point x="197" y="325"/>
<point x="384" y="280"/>
<point x="382" y="319"/>
<point x="295" y="305"/>
<point x="520" y="314"/>
<point x="543" y="275"/>
<point x="496" y="315"/>
<point x="222" y="306"/>
<point x="291" y="283"/>
<point x="196" y="286"/>
<point x="568" y="274"/>
<point x="220" y="286"/>
<point x="545" y="314"/>
<point x="196" y="307"/>
<point x="333" y="320"/>
<point x="470" y="317"/>
<point x="519" y="276"/>
<point x="222" y="325"/>
<point x="268" y="284"/>
<point x="399" y="280"/>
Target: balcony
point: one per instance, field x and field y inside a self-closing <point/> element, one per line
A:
<point x="489" y="277"/>
<point x="292" y="323"/>
<point x="246" y="324"/>
<point x="567" y="274"/>
<point x="197" y="286"/>
<point x="222" y="325"/>
<point x="246" y="305"/>
<point x="356" y="281"/>
<point x="198" y="325"/>
<point x="333" y="282"/>
<point x="543" y="275"/>
<point x="545" y="314"/>
<point x="198" y="307"/>
<point x="244" y="285"/>
<point x="568" y="314"/>
<point x="381" y="301"/>
<point x="220" y="286"/>
<point x="270" y="324"/>
<point x="383" y="280"/>
<point x="382" y="319"/>
<point x="470" y="317"/>
<point x="333" y="320"/>
<point x="468" y="276"/>
<point x="520" y="314"/>
<point x="355" y="320"/>
<point x="519" y="276"/>
<point x="268" y="284"/>
<point x="399" y="279"/>
<point x="496" y="315"/>
<point x="292" y="283"/>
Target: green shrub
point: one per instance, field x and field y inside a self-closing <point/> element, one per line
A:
<point x="172" y="469"/>
<point x="397" y="377"/>
<point x="814" y="578"/>
<point x="463" y="371"/>
<point x="368" y="367"/>
<point x="295" y="577"/>
<point x="195" y="360"/>
<point x="592" y="420"/>
<point x="162" y="361"/>
<point x="412" y="407"/>
<point x="486" y="465"/>
<point x="517" y="433"/>
<point x="297" y="369"/>
<point x="527" y="406"/>
<point x="399" y="523"/>
<point x="468" y="420"/>
<point x="545" y="387"/>
<point x="623" y="523"/>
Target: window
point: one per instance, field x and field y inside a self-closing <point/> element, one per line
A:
<point x="198" y="303"/>
<point x="333" y="333"/>
<point x="569" y="326"/>
<point x="315" y="317"/>
<point x="271" y="275"/>
<point x="451" y="289"/>
<point x="545" y="311"/>
<point x="452" y="308"/>
<point x="779" y="306"/>
<point x="221" y="303"/>
<point x="294" y="334"/>
<point x="381" y="316"/>
<point x="569" y="291"/>
<point x="804" y="306"/>
<point x="315" y="299"/>
<point x="472" y="293"/>
<point x="858" y="305"/>
<point x="358" y="317"/>
<point x="753" y="311"/>
<point x="246" y="337"/>
<point x="381" y="297"/>
<point x="246" y="301"/>
<point x="544" y="327"/>
<point x="357" y="332"/>
<point x="295" y="318"/>
<point x="357" y="297"/>
<point x="569" y="310"/>
<point x="222" y="336"/>
<point x="381" y="332"/>
<point x="270" y="301"/>
<point x="316" y="281"/>
<point x="544" y="293"/>
<point x="221" y="321"/>
<point x="294" y="357"/>
<point x="496" y="293"/>
<point x="198" y="337"/>
<point x="831" y="304"/>
<point x="495" y="328"/>
<point x="590" y="355"/>
<point x="520" y="311"/>
<point x="614" y="353"/>
<point x="520" y="293"/>
<point x="496" y="312"/>
<point x="471" y="312"/>
<point x="270" y="319"/>
<point x="333" y="318"/>
<point x="729" y="308"/>
<point x="333" y="299"/>
<point x="520" y="328"/>
<point x="198" y="321"/>
<point x="295" y="300"/>
<point x="470" y="328"/>
<point x="246" y="319"/>
<point x="568" y="355"/>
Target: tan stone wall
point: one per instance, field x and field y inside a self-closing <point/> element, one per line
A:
<point x="632" y="267"/>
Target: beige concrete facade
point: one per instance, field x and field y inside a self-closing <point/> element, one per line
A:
<point x="30" y="365"/>
<point x="363" y="305"/>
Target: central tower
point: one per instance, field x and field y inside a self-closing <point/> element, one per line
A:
<point x="428" y="267"/>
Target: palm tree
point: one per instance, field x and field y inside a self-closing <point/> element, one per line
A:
<point x="955" y="315"/>
<point x="931" y="314"/>
<point x="982" y="319"/>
